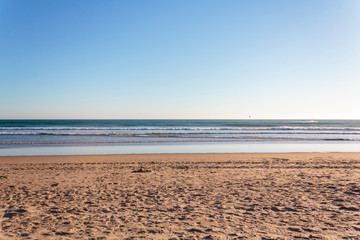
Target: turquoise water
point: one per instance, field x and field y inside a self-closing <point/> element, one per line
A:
<point x="47" y="137"/>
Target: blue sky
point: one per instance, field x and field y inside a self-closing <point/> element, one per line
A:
<point x="180" y="59"/>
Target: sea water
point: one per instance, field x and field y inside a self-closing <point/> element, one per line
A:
<point x="48" y="137"/>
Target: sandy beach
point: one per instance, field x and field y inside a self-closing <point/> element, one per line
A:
<point x="181" y="196"/>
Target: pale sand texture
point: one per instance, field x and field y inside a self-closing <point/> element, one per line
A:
<point x="181" y="196"/>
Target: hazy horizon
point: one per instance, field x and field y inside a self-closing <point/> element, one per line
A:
<point x="242" y="119"/>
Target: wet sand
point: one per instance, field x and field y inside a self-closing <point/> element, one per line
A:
<point x="181" y="196"/>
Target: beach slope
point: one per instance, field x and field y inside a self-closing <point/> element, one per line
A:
<point x="181" y="196"/>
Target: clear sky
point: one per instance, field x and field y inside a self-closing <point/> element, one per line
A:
<point x="180" y="59"/>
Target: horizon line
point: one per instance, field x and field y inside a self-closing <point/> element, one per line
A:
<point x="2" y="119"/>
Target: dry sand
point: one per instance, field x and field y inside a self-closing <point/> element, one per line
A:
<point x="181" y="196"/>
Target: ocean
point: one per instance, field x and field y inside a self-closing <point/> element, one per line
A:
<point x="21" y="137"/>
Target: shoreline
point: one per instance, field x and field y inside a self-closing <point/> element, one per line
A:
<point x="148" y="157"/>
<point x="181" y="196"/>
<point x="210" y="148"/>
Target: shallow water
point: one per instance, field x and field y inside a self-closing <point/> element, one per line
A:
<point x="48" y="137"/>
<point x="31" y="150"/>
